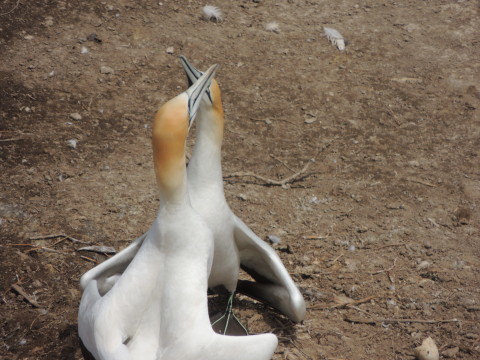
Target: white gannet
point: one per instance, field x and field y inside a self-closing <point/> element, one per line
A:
<point x="157" y="308"/>
<point x="235" y="242"/>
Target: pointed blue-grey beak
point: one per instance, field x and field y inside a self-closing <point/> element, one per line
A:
<point x="193" y="75"/>
<point x="197" y="90"/>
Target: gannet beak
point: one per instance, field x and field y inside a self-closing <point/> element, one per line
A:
<point x="193" y="75"/>
<point x="196" y="91"/>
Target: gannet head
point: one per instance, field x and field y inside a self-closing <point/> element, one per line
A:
<point x="212" y="100"/>
<point x="170" y="128"/>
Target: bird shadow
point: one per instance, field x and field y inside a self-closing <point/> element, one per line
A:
<point x="244" y="306"/>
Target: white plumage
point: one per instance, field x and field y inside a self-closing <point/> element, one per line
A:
<point x="235" y="242"/>
<point x="212" y="13"/>
<point x="156" y="308"/>
<point x="335" y="38"/>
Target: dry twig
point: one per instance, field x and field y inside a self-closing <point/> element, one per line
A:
<point x="296" y="346"/>
<point x="300" y="175"/>
<point x="18" y="289"/>
<point x="386" y="270"/>
<point x="89" y="259"/>
<point x="386" y="246"/>
<point x="46" y="249"/>
<point x="419" y="181"/>
<point x="8" y="12"/>
<point x="380" y="321"/>
<point x="295" y="177"/>
<point x="68" y="237"/>
<point x="346" y="304"/>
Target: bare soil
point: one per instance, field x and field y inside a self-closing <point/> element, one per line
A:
<point x="388" y="215"/>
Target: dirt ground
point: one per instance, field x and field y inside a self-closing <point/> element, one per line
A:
<point x="387" y="216"/>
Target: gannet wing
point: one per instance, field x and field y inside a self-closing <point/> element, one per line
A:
<point x="108" y="271"/>
<point x="273" y="282"/>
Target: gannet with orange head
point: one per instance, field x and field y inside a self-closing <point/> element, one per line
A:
<point x="156" y="309"/>
<point x="235" y="242"/>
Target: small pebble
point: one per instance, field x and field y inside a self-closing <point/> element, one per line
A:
<point x="274" y="239"/>
<point x="72" y="143"/>
<point x="242" y="197"/>
<point x="93" y="37"/>
<point x="451" y="353"/>
<point x="314" y="200"/>
<point x="48" y="21"/>
<point x="423" y="265"/>
<point x="75" y="116"/>
<point x="170" y="50"/>
<point x="84" y="50"/>
<point x="273" y="27"/>
<point x="106" y="70"/>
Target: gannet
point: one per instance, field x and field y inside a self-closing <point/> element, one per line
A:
<point x="157" y="308"/>
<point x="235" y="243"/>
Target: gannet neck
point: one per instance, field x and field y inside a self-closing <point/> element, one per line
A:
<point x="169" y="132"/>
<point x="205" y="168"/>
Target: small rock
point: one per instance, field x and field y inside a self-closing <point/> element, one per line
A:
<point x="72" y="143"/>
<point x="106" y="70"/>
<point x="75" y="116"/>
<point x="48" y="21"/>
<point x="242" y="197"/>
<point x="273" y="27"/>
<point x="51" y="73"/>
<point x="93" y="37"/>
<point x="427" y="351"/>
<point x="274" y="239"/>
<point x="423" y="265"/>
<point x="84" y="50"/>
<point x="42" y="311"/>
<point x="28" y="37"/>
<point x="310" y="120"/>
<point x="414" y="163"/>
<point x="313" y="293"/>
<point x="314" y="200"/>
<point x="451" y="353"/>
<point x="170" y="50"/>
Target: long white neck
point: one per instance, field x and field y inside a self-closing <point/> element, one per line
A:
<point x="176" y="195"/>
<point x="205" y="166"/>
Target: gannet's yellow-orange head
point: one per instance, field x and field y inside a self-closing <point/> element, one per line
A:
<point x="170" y="129"/>
<point x="169" y="132"/>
